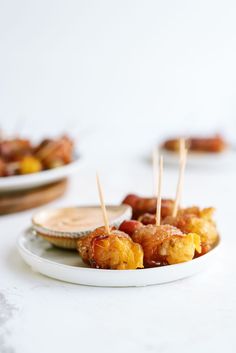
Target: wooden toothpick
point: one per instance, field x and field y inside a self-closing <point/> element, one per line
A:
<point x="159" y="186"/>
<point x="183" y="157"/>
<point x="154" y="165"/>
<point x="104" y="211"/>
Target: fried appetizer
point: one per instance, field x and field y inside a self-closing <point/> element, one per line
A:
<point x="141" y="205"/>
<point x="19" y="156"/>
<point x="196" y="220"/>
<point x="55" y="153"/>
<point x="166" y="245"/>
<point x="114" y="251"/>
<point x="13" y="150"/>
<point x="214" y="144"/>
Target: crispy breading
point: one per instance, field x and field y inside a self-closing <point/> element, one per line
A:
<point x="166" y="244"/>
<point x="110" y="251"/>
<point x="199" y="221"/>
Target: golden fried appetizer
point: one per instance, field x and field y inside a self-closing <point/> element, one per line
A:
<point x="166" y="245"/>
<point x="54" y="153"/>
<point x="114" y="251"/>
<point x="141" y="205"/>
<point x="13" y="150"/>
<point x="196" y="220"/>
<point x="20" y="156"/>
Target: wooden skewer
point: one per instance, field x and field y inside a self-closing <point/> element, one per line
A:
<point x="183" y="158"/>
<point x="159" y="185"/>
<point x="104" y="211"/>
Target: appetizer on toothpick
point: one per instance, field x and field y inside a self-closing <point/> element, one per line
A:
<point x="109" y="248"/>
<point x="144" y="208"/>
<point x="20" y="156"/>
<point x="188" y="220"/>
<point x="162" y="244"/>
<point x="192" y="219"/>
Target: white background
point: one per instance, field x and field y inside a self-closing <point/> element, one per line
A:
<point x="158" y="64"/>
<point x="119" y="75"/>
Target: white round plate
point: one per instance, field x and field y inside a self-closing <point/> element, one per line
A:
<point x="20" y="182"/>
<point x="200" y="160"/>
<point x="67" y="266"/>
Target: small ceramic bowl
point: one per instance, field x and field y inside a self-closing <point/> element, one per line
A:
<point x="64" y="226"/>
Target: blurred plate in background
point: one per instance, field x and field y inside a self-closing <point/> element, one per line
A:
<point x="28" y="181"/>
<point x="201" y="160"/>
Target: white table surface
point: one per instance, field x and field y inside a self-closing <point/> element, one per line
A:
<point x="40" y="315"/>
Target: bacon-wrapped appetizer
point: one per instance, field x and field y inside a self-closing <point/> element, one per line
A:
<point x="166" y="245"/>
<point x="141" y="205"/>
<point x="130" y="226"/>
<point x="114" y="250"/>
<point x="214" y="144"/>
<point x="196" y="220"/>
<point x="19" y="156"/>
<point x="14" y="149"/>
<point x="54" y="153"/>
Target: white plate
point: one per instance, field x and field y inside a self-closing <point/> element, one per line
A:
<point x="19" y="182"/>
<point x="194" y="159"/>
<point x="67" y="266"/>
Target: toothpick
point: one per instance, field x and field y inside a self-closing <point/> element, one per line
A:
<point x="104" y="211"/>
<point x="159" y="185"/>
<point x="183" y="157"/>
<point x="154" y="165"/>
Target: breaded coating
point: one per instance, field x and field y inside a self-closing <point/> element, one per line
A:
<point x="114" y="251"/>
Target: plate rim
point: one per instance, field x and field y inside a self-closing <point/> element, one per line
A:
<point x="198" y="156"/>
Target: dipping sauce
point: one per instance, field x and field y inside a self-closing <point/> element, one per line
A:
<point x="79" y="219"/>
